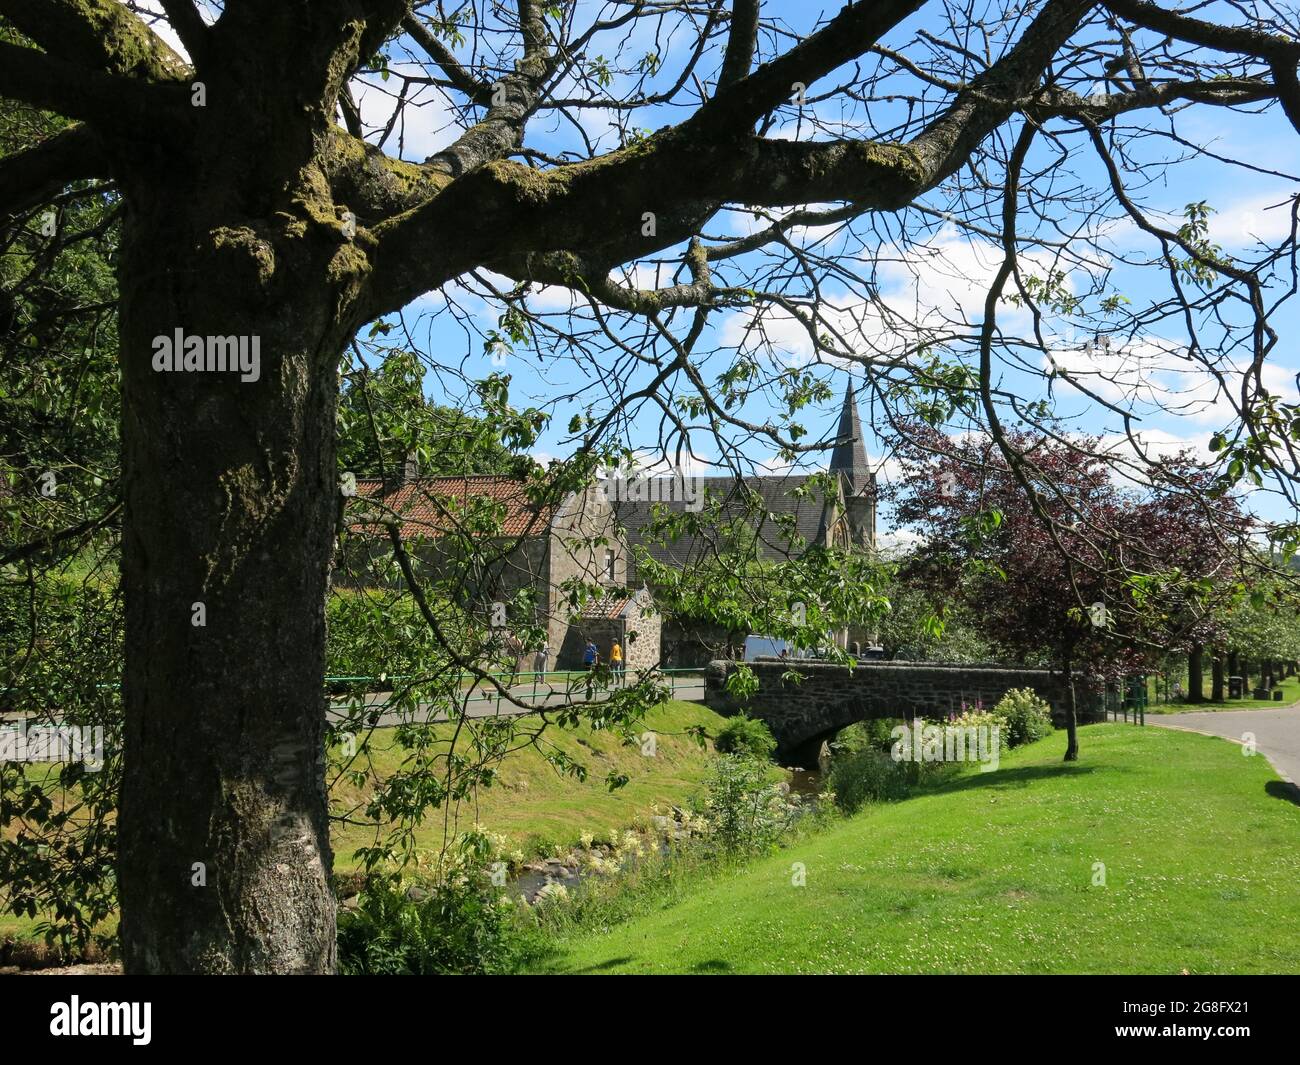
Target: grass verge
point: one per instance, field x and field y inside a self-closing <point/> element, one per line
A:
<point x="1158" y="852"/>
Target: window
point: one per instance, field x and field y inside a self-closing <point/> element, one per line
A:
<point x="609" y="565"/>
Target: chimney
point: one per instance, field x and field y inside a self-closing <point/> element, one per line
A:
<point x="395" y="476"/>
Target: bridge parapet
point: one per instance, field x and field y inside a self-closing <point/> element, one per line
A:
<point x="828" y="696"/>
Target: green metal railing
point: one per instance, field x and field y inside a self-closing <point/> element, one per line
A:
<point x="482" y="689"/>
<point x="1126" y="700"/>
<point x="524" y="683"/>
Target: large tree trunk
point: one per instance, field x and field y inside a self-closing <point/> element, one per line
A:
<point x="1195" y="675"/>
<point x="231" y="496"/>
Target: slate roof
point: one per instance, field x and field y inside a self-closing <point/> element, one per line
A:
<point x="776" y="498"/>
<point x="433" y="506"/>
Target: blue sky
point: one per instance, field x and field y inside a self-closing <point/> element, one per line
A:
<point x="937" y="275"/>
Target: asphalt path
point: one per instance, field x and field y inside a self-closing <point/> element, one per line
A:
<point x="487" y="703"/>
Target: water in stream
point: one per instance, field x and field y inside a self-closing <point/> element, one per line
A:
<point x="569" y="871"/>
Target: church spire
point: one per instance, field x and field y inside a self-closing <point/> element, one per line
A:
<point x="849" y="459"/>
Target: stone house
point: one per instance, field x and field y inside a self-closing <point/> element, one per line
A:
<point x="488" y="537"/>
<point x="624" y="615"/>
<point x="547" y="543"/>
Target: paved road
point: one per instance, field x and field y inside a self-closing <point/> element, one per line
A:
<point x="1277" y="732"/>
<point x="483" y="704"/>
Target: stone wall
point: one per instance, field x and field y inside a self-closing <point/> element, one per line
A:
<point x="641" y="635"/>
<point x="600" y="631"/>
<point x="802" y="714"/>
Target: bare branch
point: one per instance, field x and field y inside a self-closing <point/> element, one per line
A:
<point x="1244" y="39"/>
<point x="460" y="78"/>
<point x="74" y="532"/>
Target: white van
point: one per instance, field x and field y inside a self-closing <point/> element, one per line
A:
<point x="764" y="646"/>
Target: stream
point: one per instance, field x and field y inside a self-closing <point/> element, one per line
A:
<point x="569" y="871"/>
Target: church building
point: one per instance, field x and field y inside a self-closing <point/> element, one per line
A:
<point x="594" y="536"/>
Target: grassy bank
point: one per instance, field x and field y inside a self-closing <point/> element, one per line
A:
<point x="532" y="804"/>
<point x="999" y="872"/>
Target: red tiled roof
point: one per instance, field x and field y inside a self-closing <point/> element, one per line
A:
<point x="609" y="606"/>
<point x="433" y="506"/>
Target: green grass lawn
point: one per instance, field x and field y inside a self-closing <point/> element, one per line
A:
<point x="993" y="873"/>
<point x="1290" y="693"/>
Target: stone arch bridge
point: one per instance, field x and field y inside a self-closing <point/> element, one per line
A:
<point x="802" y="714"/>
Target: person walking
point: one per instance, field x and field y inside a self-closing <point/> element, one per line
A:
<point x="616" y="662"/>
<point x="540" y="661"/>
<point x="590" y="657"/>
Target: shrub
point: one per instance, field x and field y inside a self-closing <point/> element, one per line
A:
<point x="458" y="921"/>
<point x="744" y="810"/>
<point x="1025" y="717"/>
<point x="458" y="926"/>
<point x="867" y="776"/>
<point x="60" y="663"/>
<point x="989" y="719"/>
<point x="747" y="736"/>
<point x="374" y="632"/>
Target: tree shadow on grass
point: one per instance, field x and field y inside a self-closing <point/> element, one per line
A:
<point x="1281" y="789"/>
<point x="1020" y="777"/>
<point x="712" y="965"/>
<point x="602" y="966"/>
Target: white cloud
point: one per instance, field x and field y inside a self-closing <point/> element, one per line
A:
<point x="1156" y="444"/>
<point x="427" y="124"/>
<point x="551" y="298"/>
<point x="898" y="542"/>
<point x="888" y="471"/>
<point x="1263" y="217"/>
<point x="162" y="29"/>
<point x="927" y="292"/>
<point x="1155" y="375"/>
